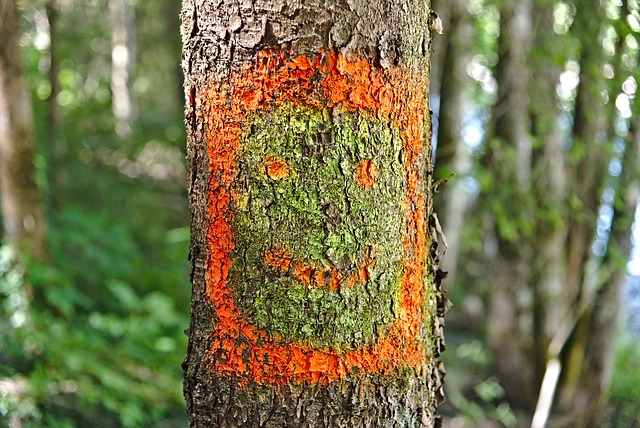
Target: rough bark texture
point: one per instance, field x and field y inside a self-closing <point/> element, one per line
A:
<point x="22" y="209"/>
<point x="316" y="296"/>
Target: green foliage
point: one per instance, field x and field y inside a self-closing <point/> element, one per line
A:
<point x="95" y="338"/>
<point x="511" y="207"/>
<point x="95" y="344"/>
<point x="625" y="386"/>
<point x="475" y="396"/>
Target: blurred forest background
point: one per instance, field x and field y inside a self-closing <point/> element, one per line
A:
<point x="534" y="112"/>
<point x="91" y="332"/>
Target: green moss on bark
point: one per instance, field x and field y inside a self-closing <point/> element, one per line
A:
<point x="324" y="218"/>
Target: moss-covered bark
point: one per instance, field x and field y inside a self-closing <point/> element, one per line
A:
<point x="318" y="253"/>
<point x="315" y="301"/>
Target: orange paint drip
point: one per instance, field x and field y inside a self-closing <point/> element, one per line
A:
<point x="279" y="259"/>
<point x="277" y="168"/>
<point x="366" y="173"/>
<point x="242" y="351"/>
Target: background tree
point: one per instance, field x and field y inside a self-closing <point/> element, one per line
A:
<point x="22" y="210"/>
<point x="21" y="205"/>
<point x="101" y="343"/>
<point x="508" y="158"/>
<point x="451" y="57"/>
<point x="314" y="272"/>
<point x="550" y="160"/>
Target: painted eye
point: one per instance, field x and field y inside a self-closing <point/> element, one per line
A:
<point x="276" y="168"/>
<point x="366" y="173"/>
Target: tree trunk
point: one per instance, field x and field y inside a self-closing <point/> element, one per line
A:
<point x="452" y="90"/>
<point x="452" y="156"/>
<point x="550" y="186"/>
<point x="590" y="399"/>
<point x="508" y="155"/>
<point x="22" y="210"/>
<point x="53" y="112"/>
<point x="596" y="361"/>
<point x="122" y="61"/>
<point x="54" y="148"/>
<point x="316" y="297"/>
<point x="585" y="185"/>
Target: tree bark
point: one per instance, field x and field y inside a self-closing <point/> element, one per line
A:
<point x="316" y="299"/>
<point x="22" y="209"/>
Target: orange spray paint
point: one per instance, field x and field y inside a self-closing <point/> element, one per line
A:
<point x="277" y="168"/>
<point x="318" y="276"/>
<point x="366" y="173"/>
<point x="396" y="96"/>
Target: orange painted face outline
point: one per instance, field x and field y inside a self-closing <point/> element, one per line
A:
<point x="239" y="349"/>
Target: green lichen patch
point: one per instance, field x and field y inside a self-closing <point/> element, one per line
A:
<point x="298" y="195"/>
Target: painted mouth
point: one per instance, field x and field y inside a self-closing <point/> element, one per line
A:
<point x="314" y="275"/>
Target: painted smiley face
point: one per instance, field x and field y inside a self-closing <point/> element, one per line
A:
<point x="293" y="195"/>
<point x="319" y="226"/>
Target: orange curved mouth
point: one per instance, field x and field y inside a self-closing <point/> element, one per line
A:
<point x="311" y="274"/>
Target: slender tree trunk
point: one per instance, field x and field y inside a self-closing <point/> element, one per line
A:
<point x="171" y="11"/>
<point x="452" y="156"/>
<point x="508" y="154"/>
<point x="53" y="114"/>
<point x="550" y="188"/>
<point x="438" y="49"/>
<point x="122" y="61"/>
<point x="582" y="398"/>
<point x="316" y="297"/>
<point x="590" y="398"/>
<point x="585" y="185"/>
<point x="56" y="150"/>
<point x="588" y="402"/>
<point x="452" y="90"/>
<point x="22" y="209"/>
